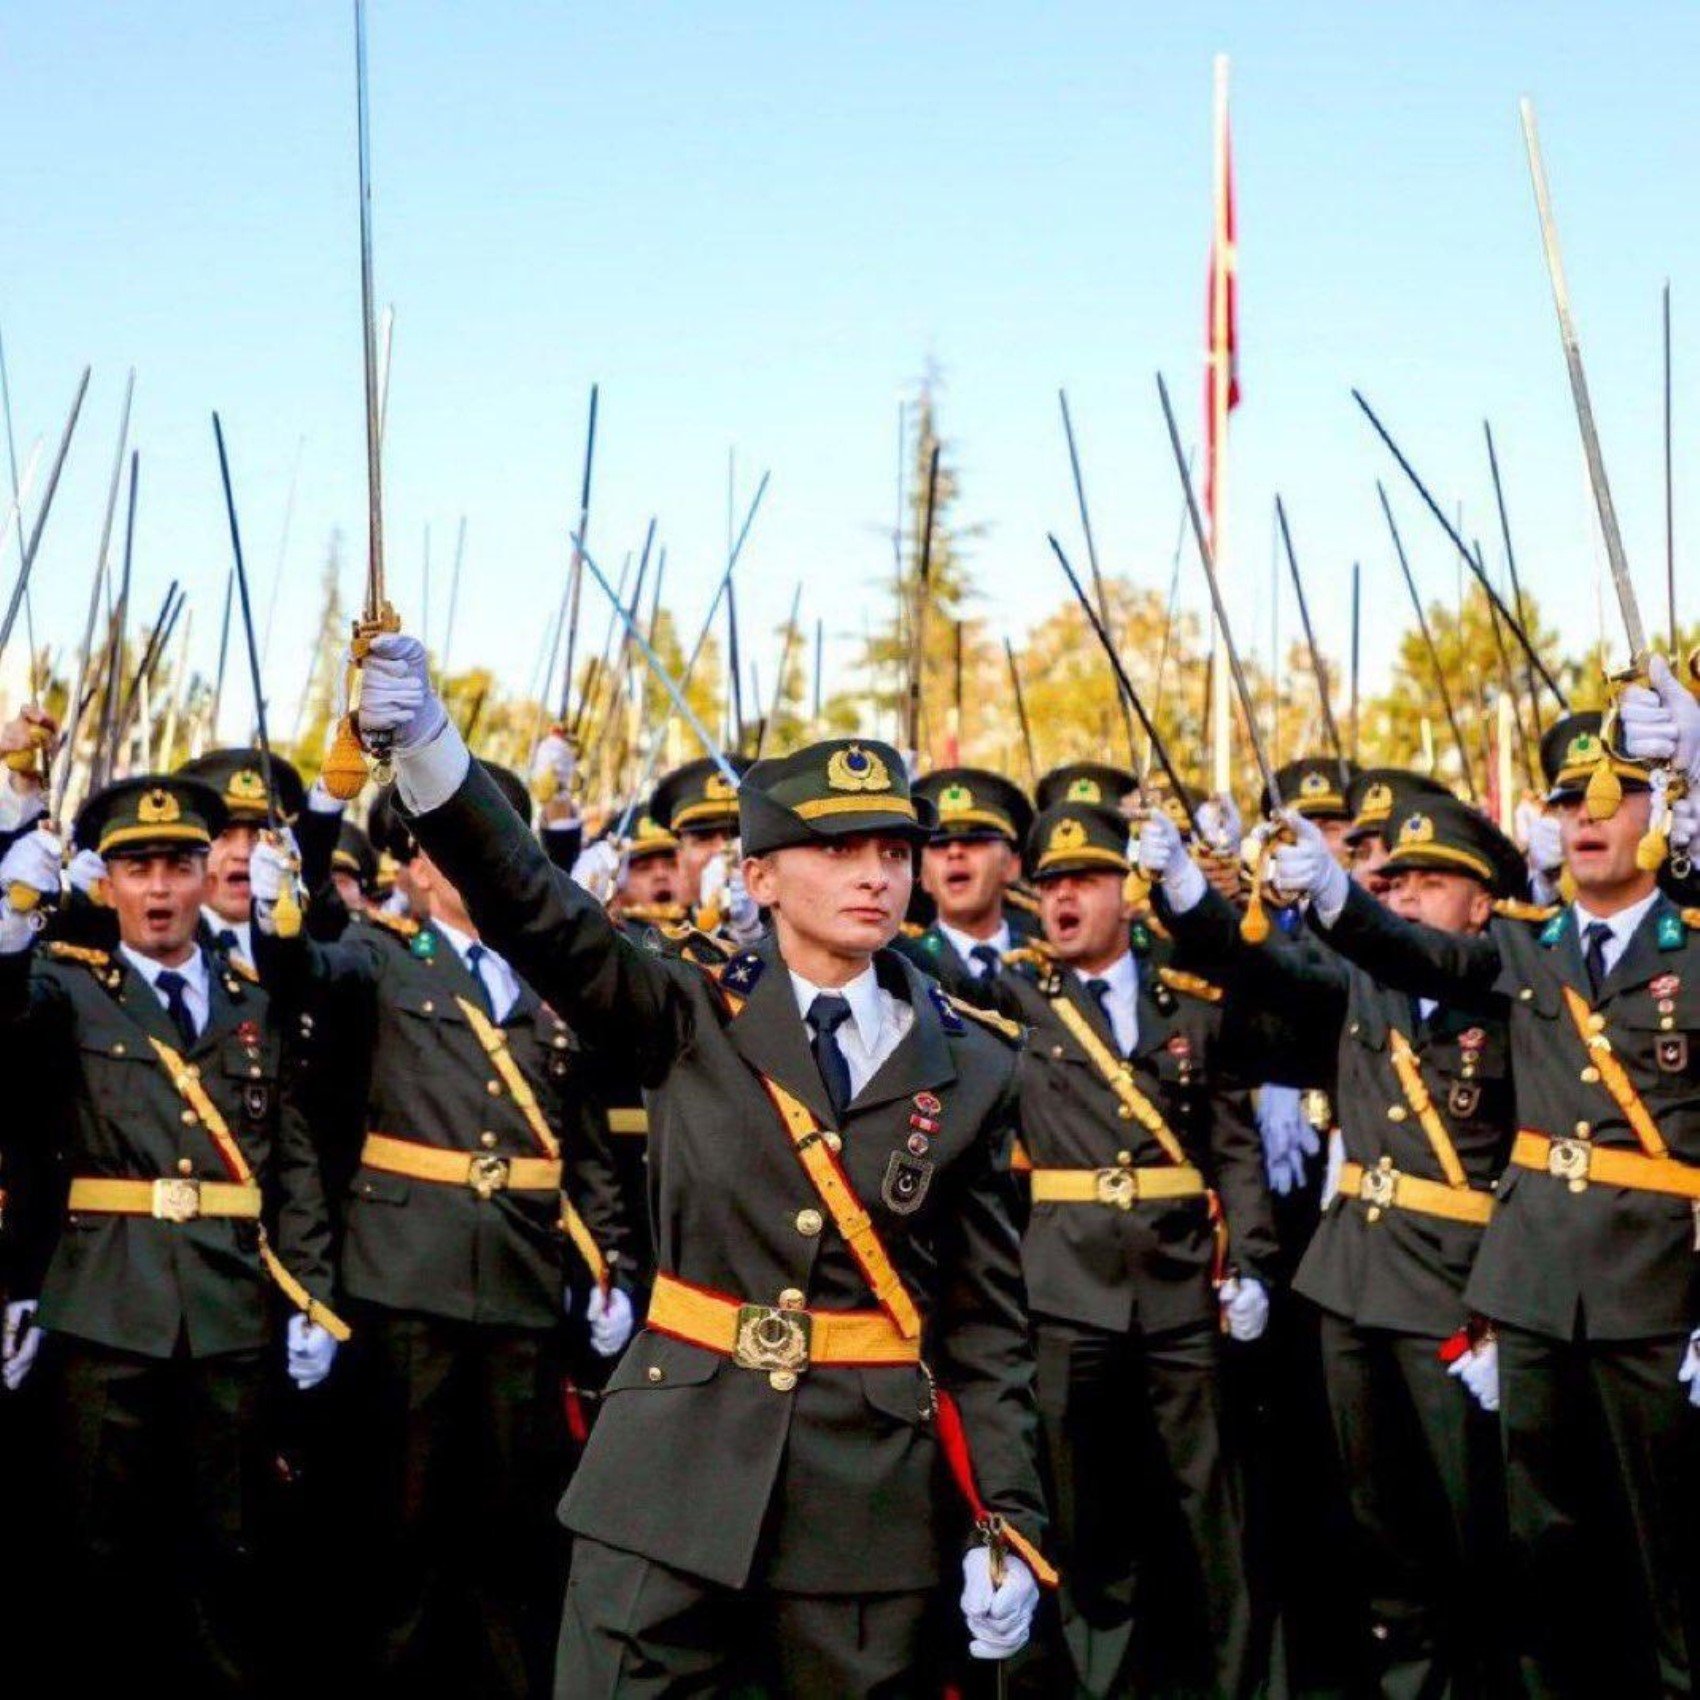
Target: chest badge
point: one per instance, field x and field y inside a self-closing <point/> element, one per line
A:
<point x="907" y="1177"/>
<point x="1463" y="1099"/>
<point x="424" y="945"/>
<point x="1673" y="935"/>
<point x="1665" y="986"/>
<point x="1670" y="1050"/>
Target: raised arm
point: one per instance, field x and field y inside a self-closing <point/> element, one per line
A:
<point x="1424" y="961"/>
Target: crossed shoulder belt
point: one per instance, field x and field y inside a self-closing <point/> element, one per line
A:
<point x="1383" y="1187"/>
<point x="786" y="1339"/>
<point x="1579" y="1161"/>
<point x="180" y="1199"/>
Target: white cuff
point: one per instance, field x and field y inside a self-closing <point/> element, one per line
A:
<point x="428" y="776"/>
<point x="1185" y="885"/>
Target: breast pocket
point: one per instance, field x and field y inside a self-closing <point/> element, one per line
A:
<point x="249" y="1074"/>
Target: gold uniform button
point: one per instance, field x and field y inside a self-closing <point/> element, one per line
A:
<point x="189" y="1118"/>
<point x="1527" y="994"/>
<point x="809" y="1222"/>
<point x="834" y="1142"/>
<point x="1590" y="1075"/>
<point x="185" y="1166"/>
<point x="493" y="1087"/>
<point x="1596" y="1023"/>
<point x="118" y="1049"/>
<point x="1396" y="1112"/>
<point x="1666" y="1023"/>
<point x="1584" y="1130"/>
<point x="254" y="1073"/>
<point x="560" y="1041"/>
<point x="1056" y="1050"/>
<point x="782" y="1380"/>
<point x="487" y="1140"/>
<point x="656" y="1374"/>
<point x="1125" y="1158"/>
<point x="791" y="1299"/>
<point x="1124" y="1112"/>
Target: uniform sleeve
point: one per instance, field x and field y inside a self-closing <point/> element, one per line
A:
<point x="619" y="997"/>
<point x="1424" y="961"/>
<point x="303" y="1217"/>
<point x="982" y="1352"/>
<point x="1236" y="1156"/>
<point x="592" y="1183"/>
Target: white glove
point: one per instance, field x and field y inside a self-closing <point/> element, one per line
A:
<point x="1478" y="1369"/>
<point x="999" y="1618"/>
<point x="1306" y="868"/>
<point x="1163" y="856"/>
<point x="1546" y="844"/>
<point x="599" y="869"/>
<point x="1684" y="822"/>
<point x="311" y="1351"/>
<point x="723" y="888"/>
<point x="1219" y="822"/>
<point x="271" y="872"/>
<point x="553" y="765"/>
<point x="320" y="801"/>
<point x="19" y="1343"/>
<point x="86" y="871"/>
<point x="33" y="861"/>
<point x="1245" y="1306"/>
<point x="1689" y="1373"/>
<point x="395" y="693"/>
<point x="610" y="1317"/>
<point x="1288" y="1137"/>
<point x="1661" y="724"/>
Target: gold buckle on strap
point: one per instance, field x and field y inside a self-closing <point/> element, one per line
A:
<point x="176" y="1199"/>
<point x="1570" y="1160"/>
<point x="771" y="1338"/>
<point x="1119" y="1187"/>
<point x="1378" y="1187"/>
<point x="487" y="1175"/>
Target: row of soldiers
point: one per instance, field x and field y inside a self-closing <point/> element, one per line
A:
<point x="1030" y="1265"/>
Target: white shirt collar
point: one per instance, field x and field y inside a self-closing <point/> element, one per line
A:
<point x="217" y="924"/>
<point x="1122" y="977"/>
<point x="964" y="944"/>
<point x="862" y="994"/>
<point x="150" y="968"/>
<point x="463" y="942"/>
<point x="1622" y="924"/>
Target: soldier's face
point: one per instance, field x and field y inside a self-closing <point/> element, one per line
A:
<point x="431" y="890"/>
<point x="653" y="879"/>
<point x="1455" y="903"/>
<point x="1085" y="917"/>
<point x="697" y="848"/>
<point x="844" y="898"/>
<point x="1367" y="855"/>
<point x="227" y="872"/>
<point x="966" y="878"/>
<point x="1600" y="854"/>
<point x="158" y="901"/>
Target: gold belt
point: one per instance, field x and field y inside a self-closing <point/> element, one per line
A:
<point x="628" y="1121"/>
<point x="1579" y="1161"/>
<point x="482" y="1171"/>
<point x="1387" y="1188"/>
<point x="173" y="1198"/>
<point x="784" y="1339"/>
<point x="1123" y="1187"/>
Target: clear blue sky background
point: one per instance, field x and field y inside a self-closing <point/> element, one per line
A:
<point x="756" y="223"/>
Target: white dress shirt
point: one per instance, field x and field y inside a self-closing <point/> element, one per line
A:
<point x="197" y="993"/>
<point x="876" y="1026"/>
<point x="1622" y="924"/>
<point x="501" y="984"/>
<point x="1123" y="1000"/>
<point x="964" y="944"/>
<point x="243" y="931"/>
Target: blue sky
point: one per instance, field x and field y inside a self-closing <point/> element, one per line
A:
<point x="755" y="224"/>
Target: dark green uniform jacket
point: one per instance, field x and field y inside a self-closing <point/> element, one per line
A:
<point x="697" y="1463"/>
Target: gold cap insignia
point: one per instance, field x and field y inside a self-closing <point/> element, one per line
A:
<point x="1066" y="835"/>
<point x="1313" y="785"/>
<point x="955" y="800"/>
<point x="856" y="769"/>
<point x="647" y="828"/>
<point x="717" y="788"/>
<point x="1084" y="791"/>
<point x="157" y="808"/>
<point x="1418" y="829"/>
<point x="1584" y="747"/>
<point x="1378" y="801"/>
<point x="246" y="786"/>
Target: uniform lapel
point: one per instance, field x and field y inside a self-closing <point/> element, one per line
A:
<point x="1641" y="958"/>
<point x="770" y="1035"/>
<point x="922" y="1059"/>
<point x="225" y="1009"/>
<point x="1565" y="949"/>
<point x="1074" y="989"/>
<point x="142" y="1004"/>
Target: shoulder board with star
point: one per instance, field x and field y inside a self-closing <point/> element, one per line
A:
<point x="59" y="951"/>
<point x="1012" y="1031"/>
<point x="403" y="927"/>
<point x="1514" y="909"/>
<point x="1193" y="985"/>
<point x="739" y="975"/>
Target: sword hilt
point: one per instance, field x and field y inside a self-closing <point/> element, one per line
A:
<point x="345" y="771"/>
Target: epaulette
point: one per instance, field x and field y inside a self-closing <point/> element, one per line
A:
<point x="911" y="929"/>
<point x="663" y="915"/>
<point x="1033" y="955"/>
<point x="1691" y="918"/>
<point x="1514" y="909"/>
<point x="242" y="970"/>
<point x="62" y="952"/>
<point x="402" y="926"/>
<point x="1194" y="985"/>
<point x="999" y="1024"/>
<point x="741" y="973"/>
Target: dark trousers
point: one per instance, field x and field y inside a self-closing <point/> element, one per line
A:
<point x="470" y="1458"/>
<point x="159" y="1474"/>
<point x="641" y="1631"/>
<point x="1422" y="1467"/>
<point x="1131" y="1421"/>
<point x="1600" y="1474"/>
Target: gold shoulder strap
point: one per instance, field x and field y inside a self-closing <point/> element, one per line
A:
<point x="1117" y="1077"/>
<point x="1612" y="1075"/>
<point x="495" y="1044"/>
<point x="1415" y="1089"/>
<point x="194" y="1094"/>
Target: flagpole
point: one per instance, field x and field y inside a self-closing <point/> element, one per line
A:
<point x="1221" y="377"/>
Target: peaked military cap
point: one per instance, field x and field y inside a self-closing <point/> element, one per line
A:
<point x="239" y="778"/>
<point x="150" y="812"/>
<point x="1377" y="793"/>
<point x="354" y="855"/>
<point x="697" y="796"/>
<point x="834" y="789"/>
<point x="1077" y="838"/>
<point x="1085" y="782"/>
<point x="1446" y="835"/>
<point x="1571" y="750"/>
<point x="1313" y="786"/>
<point x="975" y="803"/>
<point x="647" y="839"/>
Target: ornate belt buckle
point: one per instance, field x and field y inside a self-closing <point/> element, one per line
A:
<point x="488" y="1175"/>
<point x="1117" y="1187"/>
<point x="1569" y="1160"/>
<point x="1377" y="1188"/>
<point x="176" y="1199"/>
<point x="772" y="1339"/>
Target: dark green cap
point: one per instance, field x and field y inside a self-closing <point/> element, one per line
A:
<point x="1077" y="838"/>
<point x="697" y="797"/>
<point x="238" y="777"/>
<point x="836" y="789"/>
<point x="1445" y="835"/>
<point x="973" y="802"/>
<point x="148" y="813"/>
<point x="1085" y="782"/>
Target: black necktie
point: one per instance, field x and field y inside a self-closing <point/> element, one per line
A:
<point x="228" y="942"/>
<point x="176" y="1004"/>
<point x="1100" y="989"/>
<point x="474" y="959"/>
<point x="1594" y="939"/>
<point x="987" y="956"/>
<point x="827" y="1014"/>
